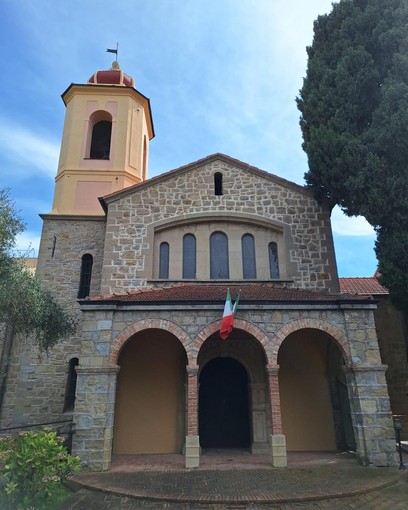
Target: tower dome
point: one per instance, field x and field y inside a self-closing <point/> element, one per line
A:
<point x="112" y="76"/>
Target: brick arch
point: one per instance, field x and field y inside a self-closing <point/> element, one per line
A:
<point x="306" y="323"/>
<point x="144" y="324"/>
<point x="244" y="325"/>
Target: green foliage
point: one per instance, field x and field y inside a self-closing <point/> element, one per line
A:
<point x="354" y="120"/>
<point x="10" y="225"/>
<point x="33" y="467"/>
<point x="31" y="308"/>
<point x="392" y="252"/>
<point x="24" y="302"/>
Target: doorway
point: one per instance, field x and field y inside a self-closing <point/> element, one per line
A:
<point x="224" y="405"/>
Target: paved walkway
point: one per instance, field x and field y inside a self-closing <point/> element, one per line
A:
<point x="235" y="480"/>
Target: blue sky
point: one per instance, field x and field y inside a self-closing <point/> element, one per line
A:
<point x="222" y="76"/>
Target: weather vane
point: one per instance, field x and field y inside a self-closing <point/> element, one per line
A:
<point x="110" y="50"/>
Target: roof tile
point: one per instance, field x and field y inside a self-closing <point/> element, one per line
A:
<point x="205" y="293"/>
<point x="362" y="286"/>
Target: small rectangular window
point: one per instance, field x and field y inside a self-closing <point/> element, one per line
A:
<point x="273" y="260"/>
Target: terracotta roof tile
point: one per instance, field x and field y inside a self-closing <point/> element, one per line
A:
<point x="210" y="293"/>
<point x="362" y="286"/>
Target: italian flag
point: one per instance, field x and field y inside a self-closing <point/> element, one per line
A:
<point x="227" y="323"/>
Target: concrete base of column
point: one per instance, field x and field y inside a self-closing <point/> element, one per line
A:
<point x="192" y="452"/>
<point x="279" y="457"/>
<point x="260" y="448"/>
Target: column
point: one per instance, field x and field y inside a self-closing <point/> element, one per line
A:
<point x="278" y="440"/>
<point x="260" y="440"/>
<point x="192" y="448"/>
<point x="94" y="416"/>
<point x="371" y="415"/>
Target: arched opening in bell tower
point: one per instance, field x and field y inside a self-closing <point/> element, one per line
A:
<point x="99" y="135"/>
<point x="101" y="139"/>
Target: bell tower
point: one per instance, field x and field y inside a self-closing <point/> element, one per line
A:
<point x="105" y="142"/>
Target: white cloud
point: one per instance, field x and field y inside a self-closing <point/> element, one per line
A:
<point x="344" y="226"/>
<point x="28" y="149"/>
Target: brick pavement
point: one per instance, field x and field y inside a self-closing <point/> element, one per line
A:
<point x="326" y="483"/>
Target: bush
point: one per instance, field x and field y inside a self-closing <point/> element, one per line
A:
<point x="33" y="467"/>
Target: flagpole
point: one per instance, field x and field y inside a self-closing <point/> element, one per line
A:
<point x="110" y="50"/>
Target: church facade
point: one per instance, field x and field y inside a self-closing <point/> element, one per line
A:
<point x="146" y="265"/>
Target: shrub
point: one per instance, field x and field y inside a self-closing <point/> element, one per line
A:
<point x="33" y="467"/>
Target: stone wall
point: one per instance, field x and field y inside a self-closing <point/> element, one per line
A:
<point x="105" y="332"/>
<point x="37" y="382"/>
<point x="189" y="195"/>
<point x="392" y="339"/>
<point x="64" y="241"/>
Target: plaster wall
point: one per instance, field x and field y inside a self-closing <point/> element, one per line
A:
<point x="128" y="152"/>
<point x="150" y="407"/>
<point x="307" y="415"/>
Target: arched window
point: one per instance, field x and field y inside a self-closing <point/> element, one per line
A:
<point x="86" y="274"/>
<point x="219" y="267"/>
<point x="189" y="256"/>
<point x="273" y="260"/>
<point x="101" y="140"/>
<point x="218" y="183"/>
<point x="248" y="256"/>
<point x="164" y="260"/>
<point x="70" y="387"/>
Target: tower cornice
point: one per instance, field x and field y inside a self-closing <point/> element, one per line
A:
<point x="111" y="90"/>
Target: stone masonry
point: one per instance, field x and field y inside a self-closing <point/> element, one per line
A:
<point x="188" y="195"/>
<point x="353" y="330"/>
<point x="123" y="246"/>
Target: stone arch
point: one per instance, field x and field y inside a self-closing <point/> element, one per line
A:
<point x="136" y="327"/>
<point x="309" y="323"/>
<point x="244" y="325"/>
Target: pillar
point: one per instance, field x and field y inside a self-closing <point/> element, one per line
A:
<point x="278" y="440"/>
<point x="94" y="416"/>
<point x="371" y="415"/>
<point x="192" y="447"/>
<point x="260" y="443"/>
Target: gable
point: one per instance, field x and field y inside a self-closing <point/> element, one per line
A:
<point x="220" y="161"/>
<point x="276" y="214"/>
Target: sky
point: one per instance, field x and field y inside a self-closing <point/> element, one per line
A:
<point x="221" y="75"/>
